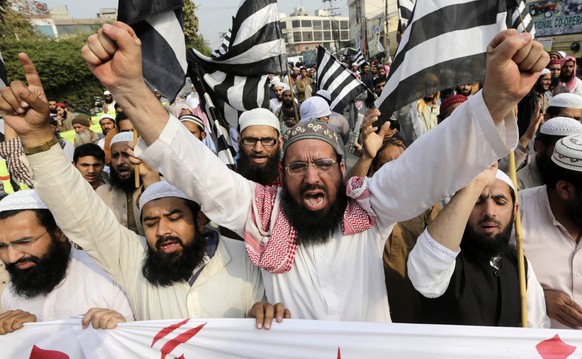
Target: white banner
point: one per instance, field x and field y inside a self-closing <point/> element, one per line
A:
<point x="238" y="338"/>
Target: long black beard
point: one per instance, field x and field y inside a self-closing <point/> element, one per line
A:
<point x="314" y="227"/>
<point x="126" y="185"/>
<point x="48" y="272"/>
<point x="482" y="248"/>
<point x="264" y="175"/>
<point x="162" y="269"/>
<point x="566" y="78"/>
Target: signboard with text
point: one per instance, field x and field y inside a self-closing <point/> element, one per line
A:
<point x="556" y="17"/>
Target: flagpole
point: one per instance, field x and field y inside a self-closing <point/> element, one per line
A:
<point x="136" y="167"/>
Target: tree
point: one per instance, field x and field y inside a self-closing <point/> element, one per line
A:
<point x="193" y="38"/>
<point x="13" y="25"/>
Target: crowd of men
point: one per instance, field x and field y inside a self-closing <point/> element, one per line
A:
<point x="419" y="229"/>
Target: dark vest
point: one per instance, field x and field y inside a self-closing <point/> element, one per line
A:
<point x="478" y="294"/>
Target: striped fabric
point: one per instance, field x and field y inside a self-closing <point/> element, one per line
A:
<point x="359" y="58"/>
<point x="405" y="8"/>
<point x="160" y="27"/>
<point x="3" y="73"/>
<point x="445" y="45"/>
<point x="340" y="82"/>
<point x="223" y="49"/>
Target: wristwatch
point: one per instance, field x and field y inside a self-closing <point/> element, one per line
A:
<point x="41" y="148"/>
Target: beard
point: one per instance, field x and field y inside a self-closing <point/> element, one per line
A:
<point x="480" y="247"/>
<point x="83" y="137"/>
<point x="542" y="161"/>
<point x="165" y="269"/>
<point x="109" y="100"/>
<point x="41" y="279"/>
<point x="265" y="175"/>
<point x="566" y="78"/>
<point x="124" y="184"/>
<point x="314" y="227"/>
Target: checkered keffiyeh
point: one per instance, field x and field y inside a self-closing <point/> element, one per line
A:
<point x="14" y="155"/>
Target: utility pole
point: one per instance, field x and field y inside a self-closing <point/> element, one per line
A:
<point x="335" y="25"/>
<point x="386" y="39"/>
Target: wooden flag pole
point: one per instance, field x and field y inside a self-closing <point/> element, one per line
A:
<point x="136" y="167"/>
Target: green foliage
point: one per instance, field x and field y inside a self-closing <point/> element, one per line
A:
<point x="193" y="38"/>
<point x="64" y="73"/>
<point x="13" y="25"/>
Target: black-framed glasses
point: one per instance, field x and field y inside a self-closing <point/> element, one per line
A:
<point x="20" y="243"/>
<point x="265" y="141"/>
<point x="300" y="167"/>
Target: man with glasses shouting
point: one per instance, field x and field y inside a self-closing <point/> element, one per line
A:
<point x="49" y="278"/>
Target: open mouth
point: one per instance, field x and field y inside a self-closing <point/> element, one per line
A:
<point x="314" y="200"/>
<point x="259" y="159"/>
<point x="168" y="245"/>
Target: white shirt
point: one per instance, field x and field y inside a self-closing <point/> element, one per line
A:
<point x="431" y="266"/>
<point x="85" y="286"/>
<point x="275" y="104"/>
<point x="555" y="255"/>
<point x="343" y="279"/>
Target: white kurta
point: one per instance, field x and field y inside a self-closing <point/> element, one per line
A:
<point x="431" y="266"/>
<point x="227" y="287"/>
<point x="555" y="255"/>
<point x="343" y="279"/>
<point x="85" y="286"/>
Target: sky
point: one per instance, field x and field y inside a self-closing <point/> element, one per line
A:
<point x="214" y="15"/>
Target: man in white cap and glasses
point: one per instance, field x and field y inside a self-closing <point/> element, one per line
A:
<point x="551" y="218"/>
<point x="565" y="105"/>
<point x="550" y="132"/>
<point x="259" y="147"/>
<point x="49" y="278"/>
<point x="463" y="265"/>
<point x="325" y="242"/>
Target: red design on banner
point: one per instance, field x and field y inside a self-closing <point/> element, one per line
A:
<point x="554" y="348"/>
<point x="39" y="353"/>
<point x="339" y="353"/>
<point x="179" y="339"/>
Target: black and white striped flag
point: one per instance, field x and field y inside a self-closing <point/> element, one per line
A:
<point x="359" y="58"/>
<point x="445" y="45"/>
<point x="236" y="80"/>
<point x="340" y="82"/>
<point x="223" y="46"/>
<point x="405" y="8"/>
<point x="3" y="73"/>
<point x="160" y="27"/>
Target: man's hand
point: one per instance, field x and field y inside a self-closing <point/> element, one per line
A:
<point x="265" y="312"/>
<point x="486" y="178"/>
<point x="372" y="141"/>
<point x="101" y="318"/>
<point x="25" y="107"/>
<point x="148" y="175"/>
<point x="14" y="319"/>
<point x="563" y="308"/>
<point x="513" y="64"/>
<point x="113" y="55"/>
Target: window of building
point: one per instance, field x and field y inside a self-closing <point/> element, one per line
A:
<point x="297" y="37"/>
<point x="307" y="36"/>
<point x="317" y="36"/>
<point x="305" y="23"/>
<point x="344" y="25"/>
<point x="327" y="36"/>
<point x="345" y="35"/>
<point x="295" y="23"/>
<point x="326" y="25"/>
<point x="316" y="24"/>
<point x="283" y="25"/>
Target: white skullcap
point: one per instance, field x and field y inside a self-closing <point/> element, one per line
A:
<point x="568" y="153"/>
<point x="286" y="87"/>
<point x="258" y="117"/>
<point x="194" y="119"/>
<point x="106" y="115"/>
<point x="562" y="53"/>
<point x="159" y="190"/>
<point x="561" y="126"/>
<point x="122" y="137"/>
<point x="505" y="178"/>
<point x="567" y="100"/>
<point x="354" y="64"/>
<point x="274" y="80"/>
<point x="545" y="71"/>
<point x="22" y="200"/>
<point x="314" y="108"/>
<point x="106" y="93"/>
<point x="279" y="84"/>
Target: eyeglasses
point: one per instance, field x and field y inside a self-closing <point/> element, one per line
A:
<point x="300" y="168"/>
<point x="20" y="243"/>
<point x="265" y="141"/>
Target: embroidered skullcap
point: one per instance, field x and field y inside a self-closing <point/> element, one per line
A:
<point x="451" y="100"/>
<point x="82" y="119"/>
<point x="568" y="153"/>
<point x="159" y="190"/>
<point x="122" y="137"/>
<point x="316" y="130"/>
<point x="258" y="117"/>
<point x="545" y="71"/>
<point x="325" y="95"/>
<point x="567" y="100"/>
<point x="314" y="108"/>
<point x="274" y="81"/>
<point x="194" y="119"/>
<point x="106" y="93"/>
<point x="561" y="126"/>
<point x="505" y="178"/>
<point x="22" y="200"/>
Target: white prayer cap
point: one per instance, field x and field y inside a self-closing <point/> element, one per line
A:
<point x="568" y="153"/>
<point x="566" y="100"/>
<point x="545" y="71"/>
<point x="561" y="126"/>
<point x="286" y="87"/>
<point x="22" y="200"/>
<point x="159" y="190"/>
<point x="106" y="93"/>
<point x="280" y="84"/>
<point x="505" y="178"/>
<point x="562" y="53"/>
<point x="274" y="80"/>
<point x="313" y="108"/>
<point x="106" y="115"/>
<point x="122" y="137"/>
<point x="194" y="119"/>
<point x="258" y="117"/>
